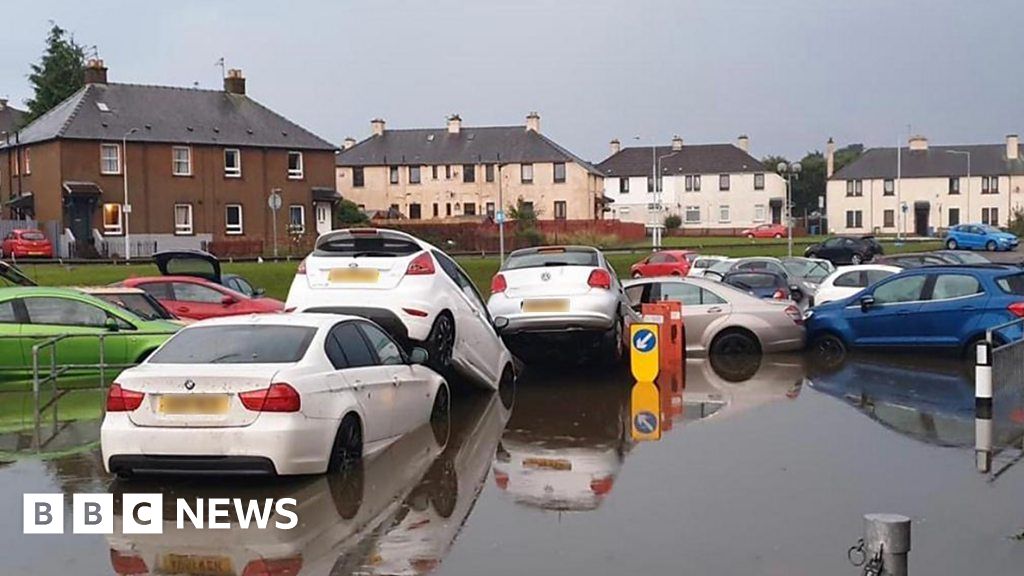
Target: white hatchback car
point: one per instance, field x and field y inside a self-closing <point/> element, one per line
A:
<point x="412" y="289"/>
<point x="849" y="280"/>
<point x="277" y="394"/>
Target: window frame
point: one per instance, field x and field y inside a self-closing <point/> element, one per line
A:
<point x="489" y="172"/>
<point x="236" y="229"/>
<point x="469" y="173"/>
<point x="104" y="146"/>
<point x="523" y="169"/>
<point x="302" y="211"/>
<point x="888" y="187"/>
<point x="358" y="177"/>
<point x="624" y="185"/>
<point x="236" y="171"/>
<point x="954" y="186"/>
<point x="394" y="175"/>
<point x="175" y="161"/>
<point x="686" y="214"/>
<point x="184" y="229"/>
<point x="724" y="182"/>
<point x="297" y="173"/>
<point x="696" y="182"/>
<point x="110" y="230"/>
<point x="724" y="209"/>
<point x="564" y="210"/>
<point x="554" y="172"/>
<point x="759" y="181"/>
<point x="414" y="175"/>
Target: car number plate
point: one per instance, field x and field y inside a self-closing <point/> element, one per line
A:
<point x="354" y="276"/>
<point x="547" y="464"/>
<point x="196" y="565"/>
<point x="548" y="305"/>
<point x="193" y="404"/>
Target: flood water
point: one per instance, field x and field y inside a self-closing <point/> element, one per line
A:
<point x="759" y="466"/>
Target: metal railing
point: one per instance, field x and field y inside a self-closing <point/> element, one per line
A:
<point x="998" y="389"/>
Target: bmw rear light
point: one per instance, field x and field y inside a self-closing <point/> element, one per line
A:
<point x="421" y="265"/>
<point x="498" y="284"/>
<point x="121" y="400"/>
<point x="602" y="486"/>
<point x="600" y="278"/>
<point x="779" y="295"/>
<point x="501" y="480"/>
<point x="1017" y="309"/>
<point x="127" y="564"/>
<point x="794" y="314"/>
<point x="280" y="397"/>
<point x="274" y="567"/>
<point x="302" y="268"/>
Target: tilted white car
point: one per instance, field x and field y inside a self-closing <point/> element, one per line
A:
<point x="849" y="280"/>
<point x="701" y="263"/>
<point x="412" y="289"/>
<point x="277" y="394"/>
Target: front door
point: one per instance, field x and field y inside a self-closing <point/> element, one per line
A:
<point x="78" y="213"/>
<point x="323" y="217"/>
<point x="921" y="211"/>
<point x="776" y="213"/>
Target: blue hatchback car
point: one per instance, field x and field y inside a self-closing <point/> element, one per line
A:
<point x="947" y="307"/>
<point x="980" y="237"/>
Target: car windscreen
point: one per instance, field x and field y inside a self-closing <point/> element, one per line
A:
<point x="967" y="258"/>
<point x="237" y="344"/>
<point x="554" y="257"/>
<point x="1012" y="284"/>
<point x="33" y="236"/>
<point x="355" y="246"/>
<point x="753" y="280"/>
<point x="142" y="305"/>
<point x="722" y="266"/>
<point x="807" y="269"/>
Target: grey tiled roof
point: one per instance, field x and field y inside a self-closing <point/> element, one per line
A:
<point x="10" y="118"/>
<point x="472" y="145"/>
<point x="167" y="114"/>
<point x="935" y="162"/>
<point x="692" y="159"/>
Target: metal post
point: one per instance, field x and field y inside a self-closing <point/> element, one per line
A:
<point x="501" y="216"/>
<point x="789" y="214"/>
<point x="103" y="372"/>
<point x="35" y="393"/>
<point x="983" y="444"/>
<point x="983" y="380"/>
<point x="126" y="207"/>
<point x="887" y="536"/>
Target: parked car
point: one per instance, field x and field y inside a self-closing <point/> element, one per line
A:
<point x="701" y="263"/>
<point x="799" y="290"/>
<point x="947" y="307"/>
<point x="202" y="265"/>
<point x="914" y="260"/>
<point x="980" y="236"/>
<point x="664" y="263"/>
<point x="412" y="289"/>
<point x="29" y="315"/>
<point x="811" y="271"/>
<point x="765" y="231"/>
<point x="559" y="289"/>
<point x="26" y="243"/>
<point x="134" y="300"/>
<point x="11" y="275"/>
<point x="194" y="298"/>
<point x="763" y="284"/>
<point x="849" y="280"/>
<point x="722" y="319"/>
<point x="962" y="257"/>
<point x="845" y="250"/>
<point x="285" y="394"/>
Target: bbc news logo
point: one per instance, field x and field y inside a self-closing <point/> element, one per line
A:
<point x="144" y="513"/>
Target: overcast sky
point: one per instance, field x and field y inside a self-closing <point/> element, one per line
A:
<point x="789" y="73"/>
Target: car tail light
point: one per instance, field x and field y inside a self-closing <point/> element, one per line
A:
<point x="302" y="268"/>
<point x="421" y="265"/>
<point x="794" y="314"/>
<point x="274" y="567"/>
<point x="600" y="278"/>
<point x="280" y="397"/>
<point x="1017" y="309"/>
<point x="121" y="400"/>
<point x="415" y="312"/>
<point x="501" y="479"/>
<point x="362" y="231"/>
<point x="127" y="564"/>
<point x="601" y="486"/>
<point x="498" y="284"/>
<point x="779" y="295"/>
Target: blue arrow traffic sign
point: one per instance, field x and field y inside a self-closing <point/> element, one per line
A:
<point x="645" y="340"/>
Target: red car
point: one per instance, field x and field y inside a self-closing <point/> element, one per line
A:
<point x="664" y="263"/>
<point x="765" y="231"/>
<point x="26" y="244"/>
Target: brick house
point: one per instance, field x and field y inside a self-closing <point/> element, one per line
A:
<point x="197" y="167"/>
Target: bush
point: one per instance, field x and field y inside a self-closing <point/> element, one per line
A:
<point x="673" y="221"/>
<point x="1016" y="224"/>
<point x="348" y="213"/>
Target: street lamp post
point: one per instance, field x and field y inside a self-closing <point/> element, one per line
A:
<point x="789" y="170"/>
<point x="968" y="154"/>
<point x="653" y="218"/>
<point x="126" y="208"/>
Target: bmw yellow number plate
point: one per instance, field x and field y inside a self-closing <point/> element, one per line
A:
<point x="193" y="403"/>
<point x="354" y="275"/>
<point x="196" y="565"/>
<point x="546" y="305"/>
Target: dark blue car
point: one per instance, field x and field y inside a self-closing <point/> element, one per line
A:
<point x="947" y="307"/>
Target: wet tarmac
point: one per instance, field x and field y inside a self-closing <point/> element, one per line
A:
<point x="754" y="466"/>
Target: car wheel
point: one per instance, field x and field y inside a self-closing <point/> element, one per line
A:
<point x="348" y="445"/>
<point x="951" y="244"/>
<point x="637" y="275"/>
<point x="856" y="259"/>
<point x="990" y="246"/>
<point x="507" y="387"/>
<point x="735" y="342"/>
<point x="440" y="415"/>
<point x="440" y="343"/>
<point x="347" y="491"/>
<point x="612" y="347"/>
<point x="751" y="236"/>
<point x="829" y="350"/>
<point x="777" y="235"/>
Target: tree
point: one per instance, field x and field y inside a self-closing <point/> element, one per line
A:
<point x="771" y="162"/>
<point x="348" y="212"/>
<point x="525" y="218"/>
<point x="59" y="74"/>
<point x="673" y="221"/>
<point x="811" y="182"/>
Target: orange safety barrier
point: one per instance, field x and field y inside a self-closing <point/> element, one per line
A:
<point x="672" y="336"/>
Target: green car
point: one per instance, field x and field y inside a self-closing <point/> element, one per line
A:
<point x="30" y="315"/>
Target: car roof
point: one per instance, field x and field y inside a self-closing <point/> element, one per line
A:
<point x="308" y="319"/>
<point x="16" y="291"/>
<point x="110" y="289"/>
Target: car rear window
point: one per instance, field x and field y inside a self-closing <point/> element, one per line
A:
<point x="240" y="344"/>
<point x="1012" y="284"/>
<point x="35" y="236"/>
<point x="143" y="307"/>
<point x="551" y="257"/>
<point x="753" y="280"/>
<point x="369" y="245"/>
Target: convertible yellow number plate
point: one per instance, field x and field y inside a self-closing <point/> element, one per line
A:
<point x="354" y="276"/>
<point x="194" y="404"/>
<point x="548" y="305"/>
<point x="196" y="565"/>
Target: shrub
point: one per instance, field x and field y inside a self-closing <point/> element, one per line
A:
<point x="673" y="221"/>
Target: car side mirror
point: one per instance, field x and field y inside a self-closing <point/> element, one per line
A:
<point x="500" y="323"/>
<point x="259" y="291"/>
<point x="111" y="324"/>
<point x="866" y="302"/>
<point x="228" y="300"/>
<point x="418" y="356"/>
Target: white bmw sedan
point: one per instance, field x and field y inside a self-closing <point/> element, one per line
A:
<point x="412" y="289"/>
<point x="275" y="394"/>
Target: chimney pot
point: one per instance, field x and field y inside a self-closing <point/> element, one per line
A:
<point x="377" y="126"/>
<point x="533" y="122"/>
<point x="1012" y="147"/>
<point x="95" y="72"/>
<point x="743" y="142"/>
<point x="454" y="124"/>
<point x="349" y="142"/>
<point x="616" y="146"/>
<point x="918" y="143"/>
<point x="234" y="82"/>
<point x="677" y="143"/>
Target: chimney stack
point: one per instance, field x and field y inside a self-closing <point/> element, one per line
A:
<point x="616" y="146"/>
<point x="743" y="142"/>
<point x="918" y="143"/>
<point x="95" y="72"/>
<point x="377" y="125"/>
<point x="533" y="122"/>
<point x="3" y="103"/>
<point x="349" y="142"/>
<point x="454" y="124"/>
<point x="830" y="158"/>
<point x="1012" y="146"/>
<point x="234" y="82"/>
<point x="677" y="143"/>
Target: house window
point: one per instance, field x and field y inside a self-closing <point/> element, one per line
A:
<point x="758" y="181"/>
<point x="888" y="187"/>
<point x="760" y="214"/>
<point x="232" y="163"/>
<point x="559" y="172"/>
<point x="110" y="159"/>
<point x="448" y="209"/>
<point x="692" y="214"/>
<point x="696" y="182"/>
<point x="854" y="219"/>
<point x="183" y="219"/>
<point x="689" y="183"/>
<point x="527" y="208"/>
<point x="358" y="177"/>
<point x="993" y="185"/>
<point x="468" y="173"/>
<point x="723" y="213"/>
<point x="297" y="219"/>
<point x="888" y="218"/>
<point x="526" y="173"/>
<point x="990" y="216"/>
<point x="414" y="212"/>
<point x="233" y="219"/>
<point x="624" y="185"/>
<point x="723" y="182"/>
<point x="448" y="172"/>
<point x="854" y="187"/>
<point x="489" y="207"/>
<point x="295" y="167"/>
<point x="954" y="185"/>
<point x="181" y="161"/>
<point x="650" y="184"/>
<point x="469" y="209"/>
<point x="393" y="174"/>
<point x="433" y="172"/>
<point x="560" y="210"/>
<point x="489" y="172"/>
<point x="436" y="212"/>
<point x="414" y="174"/>
<point x="954" y="216"/>
<point x="112" y="221"/>
<point x="28" y="161"/>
